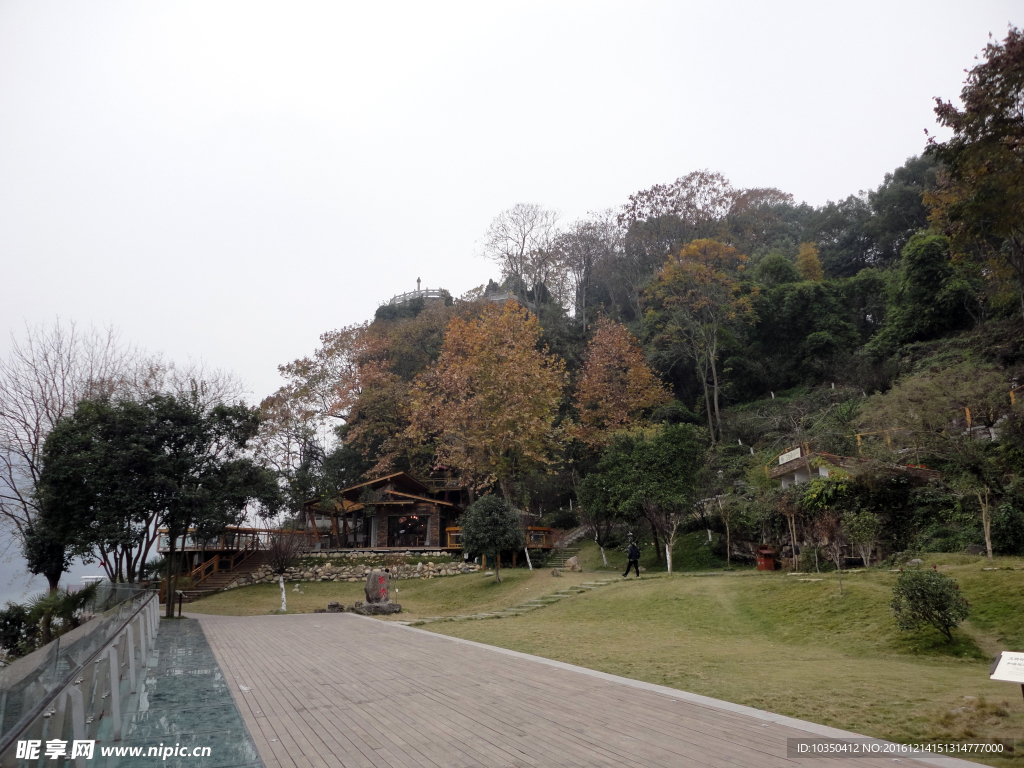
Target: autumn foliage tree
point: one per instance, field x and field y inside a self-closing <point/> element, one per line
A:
<point x="488" y="405"/>
<point x="981" y="202"/>
<point x="690" y="303"/>
<point x="809" y="264"/>
<point x="616" y="387"/>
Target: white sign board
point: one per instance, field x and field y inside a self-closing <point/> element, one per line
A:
<point x="1009" y="668"/>
<point x="789" y="456"/>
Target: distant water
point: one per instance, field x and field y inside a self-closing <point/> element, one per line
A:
<point x="17" y="584"/>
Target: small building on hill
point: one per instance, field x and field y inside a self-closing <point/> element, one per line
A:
<point x="799" y="464"/>
<point x="395" y="511"/>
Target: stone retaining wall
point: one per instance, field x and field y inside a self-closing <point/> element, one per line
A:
<point x="354" y="572"/>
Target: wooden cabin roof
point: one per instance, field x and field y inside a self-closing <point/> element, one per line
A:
<point x="403" y="490"/>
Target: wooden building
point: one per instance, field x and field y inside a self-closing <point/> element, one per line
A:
<point x="395" y="511"/>
<point x="799" y="465"/>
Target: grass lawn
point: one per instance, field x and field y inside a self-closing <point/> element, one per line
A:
<point x="796" y="647"/>
<point x="419" y="598"/>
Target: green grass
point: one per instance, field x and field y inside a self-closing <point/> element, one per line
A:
<point x="419" y="598"/>
<point x="795" y="647"/>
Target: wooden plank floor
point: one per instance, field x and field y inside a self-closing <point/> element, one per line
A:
<point x="341" y="690"/>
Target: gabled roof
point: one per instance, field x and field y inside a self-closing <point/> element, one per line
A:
<point x="404" y="477"/>
<point x="412" y="490"/>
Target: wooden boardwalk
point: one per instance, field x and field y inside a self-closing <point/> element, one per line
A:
<point x="342" y="690"/>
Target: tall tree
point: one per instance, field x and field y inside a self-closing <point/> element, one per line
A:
<point x="581" y="248"/>
<point x="691" y="301"/>
<point x="488" y="405"/>
<point x="650" y="477"/>
<point x="616" y="386"/>
<point x="984" y="208"/>
<point x="519" y="241"/>
<point x="46" y="374"/>
<point x="808" y="263"/>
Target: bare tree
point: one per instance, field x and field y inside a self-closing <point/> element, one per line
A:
<point x="45" y="375"/>
<point x="519" y="241"/>
<point x="580" y="249"/>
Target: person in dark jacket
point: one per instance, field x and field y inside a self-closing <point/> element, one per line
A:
<point x="633" y="553"/>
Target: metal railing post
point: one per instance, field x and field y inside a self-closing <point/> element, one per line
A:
<point x="131" y="657"/>
<point x="115" y="691"/>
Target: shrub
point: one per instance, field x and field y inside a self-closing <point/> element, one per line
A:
<point x="923" y="597"/>
<point x="1008" y="530"/>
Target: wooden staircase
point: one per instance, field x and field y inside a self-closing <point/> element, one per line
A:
<point x="215" y="582"/>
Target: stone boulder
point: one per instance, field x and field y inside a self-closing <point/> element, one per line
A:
<point x="378" y="587"/>
<point x="916" y="561"/>
<point x="572" y="564"/>
<point x="335" y="607"/>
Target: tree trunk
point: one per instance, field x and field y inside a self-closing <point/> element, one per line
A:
<point x="284" y="595"/>
<point x="986" y="521"/>
<point x="718" y="416"/>
<point x="707" y="407"/>
<point x="169" y="608"/>
<point x="668" y="557"/>
<point x="497" y="567"/>
<point x="603" y="558"/>
<point x="53" y="581"/>
<point x="728" y="546"/>
<point x="657" y="543"/>
<point x="792" y="534"/>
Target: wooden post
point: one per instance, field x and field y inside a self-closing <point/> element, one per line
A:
<point x="483" y="562"/>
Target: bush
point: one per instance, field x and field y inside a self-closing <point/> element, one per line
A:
<point x="923" y="597"/>
<point x="1008" y="530"/>
<point x="17" y="632"/>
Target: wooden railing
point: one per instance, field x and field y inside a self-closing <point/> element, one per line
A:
<point x="536" y="537"/>
<point x="234" y="538"/>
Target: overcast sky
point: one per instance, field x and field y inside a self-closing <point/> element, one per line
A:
<point x="228" y="180"/>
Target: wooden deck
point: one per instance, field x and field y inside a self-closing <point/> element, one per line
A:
<point x="343" y="690"/>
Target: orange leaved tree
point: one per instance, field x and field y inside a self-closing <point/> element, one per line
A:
<point x="615" y="387"/>
<point x="690" y="302"/>
<point x="488" y="404"/>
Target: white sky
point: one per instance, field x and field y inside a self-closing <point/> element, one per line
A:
<point x="228" y="180"/>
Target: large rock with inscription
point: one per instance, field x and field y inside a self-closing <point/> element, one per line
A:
<point x="378" y="587"/>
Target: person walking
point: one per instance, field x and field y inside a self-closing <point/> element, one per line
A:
<point x="633" y="554"/>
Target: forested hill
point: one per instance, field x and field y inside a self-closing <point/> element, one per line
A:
<point x="886" y="326"/>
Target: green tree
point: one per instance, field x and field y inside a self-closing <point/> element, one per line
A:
<point x="927" y="597"/>
<point x="490" y="526"/>
<point x="116" y="471"/>
<point x="929" y="296"/>
<point x="649" y="476"/>
<point x="862" y="529"/>
<point x="775" y="269"/>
